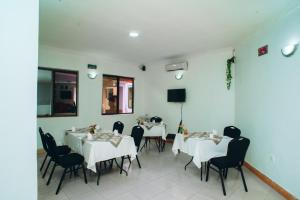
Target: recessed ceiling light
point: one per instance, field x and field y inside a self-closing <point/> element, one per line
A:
<point x="133" y="34"/>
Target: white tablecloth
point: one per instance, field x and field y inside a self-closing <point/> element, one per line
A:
<point x="95" y="151"/>
<point x="158" y="130"/>
<point x="202" y="150"/>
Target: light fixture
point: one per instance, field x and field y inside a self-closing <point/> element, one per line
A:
<point x="179" y="74"/>
<point x="289" y="50"/>
<point x="92" y="71"/>
<point x="133" y="34"/>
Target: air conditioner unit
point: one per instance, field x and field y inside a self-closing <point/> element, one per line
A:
<point x="176" y="66"/>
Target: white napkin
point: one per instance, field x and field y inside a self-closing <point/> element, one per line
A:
<point x="90" y="136"/>
<point x="116" y="132"/>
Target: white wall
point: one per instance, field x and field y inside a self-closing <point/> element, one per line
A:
<point x="18" y="62"/>
<point x="90" y="91"/>
<point x="267" y="101"/>
<point x="209" y="105"/>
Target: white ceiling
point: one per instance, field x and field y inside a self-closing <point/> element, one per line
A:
<point x="167" y="28"/>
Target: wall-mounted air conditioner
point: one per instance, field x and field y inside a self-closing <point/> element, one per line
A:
<point x="177" y="66"/>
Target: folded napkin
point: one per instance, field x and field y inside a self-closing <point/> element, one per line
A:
<point x="149" y="125"/>
<point x="205" y="136"/>
<point x="115" y="140"/>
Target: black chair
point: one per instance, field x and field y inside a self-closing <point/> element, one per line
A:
<point x="44" y="147"/>
<point x="137" y="134"/>
<point x="232" y="131"/>
<point x="68" y="162"/>
<point x="236" y="153"/>
<point x="119" y="126"/>
<point x="61" y="150"/>
<point x="156" y="119"/>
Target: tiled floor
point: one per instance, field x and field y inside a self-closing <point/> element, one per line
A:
<point x="162" y="177"/>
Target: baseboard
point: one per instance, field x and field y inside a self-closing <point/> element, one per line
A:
<point x="269" y="182"/>
<point x="40" y="152"/>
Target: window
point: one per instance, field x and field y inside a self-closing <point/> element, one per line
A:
<point x="117" y="95"/>
<point x="57" y="93"/>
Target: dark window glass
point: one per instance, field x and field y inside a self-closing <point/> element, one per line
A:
<point x="117" y="95"/>
<point x="57" y="93"/>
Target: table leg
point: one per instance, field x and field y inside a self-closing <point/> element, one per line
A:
<point x="157" y="144"/>
<point x="121" y="167"/>
<point x="98" y="172"/>
<point x="144" y="145"/>
<point x="188" y="163"/>
<point x="201" y="170"/>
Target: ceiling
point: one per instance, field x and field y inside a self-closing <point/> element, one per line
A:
<point x="168" y="28"/>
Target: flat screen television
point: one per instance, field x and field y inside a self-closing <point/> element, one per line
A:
<point x="66" y="94"/>
<point x="176" y="95"/>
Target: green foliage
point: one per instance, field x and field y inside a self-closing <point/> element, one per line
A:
<point x="228" y="72"/>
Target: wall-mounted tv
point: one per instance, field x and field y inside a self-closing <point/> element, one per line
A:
<point x="176" y="95"/>
<point x="65" y="94"/>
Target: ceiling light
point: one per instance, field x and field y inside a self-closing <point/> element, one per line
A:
<point x="289" y="50"/>
<point x="133" y="34"/>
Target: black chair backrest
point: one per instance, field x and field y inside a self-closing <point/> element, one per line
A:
<point x="232" y="131"/>
<point x="42" y="134"/>
<point x="119" y="126"/>
<point x="137" y="134"/>
<point x="51" y="145"/>
<point x="237" y="149"/>
<point x="41" y="130"/>
<point x="156" y="119"/>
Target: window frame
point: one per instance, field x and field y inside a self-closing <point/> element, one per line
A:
<point x="53" y="70"/>
<point x="118" y="93"/>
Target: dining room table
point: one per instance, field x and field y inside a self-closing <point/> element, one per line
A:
<point x="102" y="146"/>
<point x="156" y="131"/>
<point x="201" y="146"/>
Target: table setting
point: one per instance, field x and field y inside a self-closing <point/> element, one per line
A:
<point x="98" y="145"/>
<point x="202" y="146"/>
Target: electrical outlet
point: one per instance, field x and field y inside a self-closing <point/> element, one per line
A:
<point x="272" y="158"/>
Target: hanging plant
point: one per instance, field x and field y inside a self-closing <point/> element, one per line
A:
<point x="228" y="72"/>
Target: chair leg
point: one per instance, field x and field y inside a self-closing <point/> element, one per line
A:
<point x="225" y="172"/>
<point x="222" y="181"/>
<point x="49" y="179"/>
<point x="61" y="180"/>
<point x="45" y="172"/>
<point x="44" y="162"/>
<point x="84" y="174"/>
<point x="207" y="171"/>
<point x="71" y="171"/>
<point x="243" y="178"/>
<point x="137" y="159"/>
